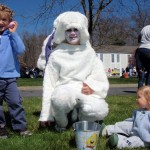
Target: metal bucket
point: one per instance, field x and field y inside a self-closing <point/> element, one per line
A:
<point x="86" y="135"/>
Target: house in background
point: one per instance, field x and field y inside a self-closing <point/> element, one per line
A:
<point x="116" y="58"/>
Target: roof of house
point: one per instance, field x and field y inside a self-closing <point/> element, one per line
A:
<point x="116" y="49"/>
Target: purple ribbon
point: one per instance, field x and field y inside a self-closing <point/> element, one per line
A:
<point x="49" y="45"/>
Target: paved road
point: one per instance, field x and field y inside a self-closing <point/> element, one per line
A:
<point x="115" y="89"/>
<point x="122" y="91"/>
<point x="32" y="91"/>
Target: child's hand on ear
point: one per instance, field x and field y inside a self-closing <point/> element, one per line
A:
<point x="86" y="89"/>
<point x="13" y="26"/>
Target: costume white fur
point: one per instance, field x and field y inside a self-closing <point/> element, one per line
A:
<point x="60" y="36"/>
<point x="67" y="68"/>
<point x="41" y="60"/>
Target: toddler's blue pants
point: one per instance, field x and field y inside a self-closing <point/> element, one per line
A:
<point x="10" y="94"/>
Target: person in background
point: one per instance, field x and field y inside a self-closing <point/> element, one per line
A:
<point x="11" y="46"/>
<point x="133" y="132"/>
<point x="127" y="70"/>
<point x="109" y="72"/>
<point x="130" y="66"/>
<point x="134" y="71"/>
<point x="139" y="67"/>
<point x="123" y="71"/>
<point x="143" y="53"/>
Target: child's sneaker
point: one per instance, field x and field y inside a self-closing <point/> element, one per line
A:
<point x="112" y="141"/>
<point x="25" y="133"/>
<point x="3" y="133"/>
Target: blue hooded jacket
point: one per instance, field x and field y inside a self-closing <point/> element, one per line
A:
<point x="11" y="46"/>
<point x="141" y="124"/>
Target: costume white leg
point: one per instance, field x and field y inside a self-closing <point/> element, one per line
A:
<point x="129" y="142"/>
<point x="120" y="127"/>
<point x="63" y="101"/>
<point x="91" y="108"/>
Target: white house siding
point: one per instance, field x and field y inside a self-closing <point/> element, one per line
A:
<point x="117" y="64"/>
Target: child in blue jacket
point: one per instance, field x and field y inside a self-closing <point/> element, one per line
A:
<point x="11" y="46"/>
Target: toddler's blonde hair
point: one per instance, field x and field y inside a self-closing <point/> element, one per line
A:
<point x="145" y="90"/>
<point x="7" y="11"/>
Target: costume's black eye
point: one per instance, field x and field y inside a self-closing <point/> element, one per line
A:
<point x="72" y="30"/>
<point x="69" y="30"/>
<point x="75" y="29"/>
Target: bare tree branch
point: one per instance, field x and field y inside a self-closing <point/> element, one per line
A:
<point x="84" y="8"/>
<point x="102" y="5"/>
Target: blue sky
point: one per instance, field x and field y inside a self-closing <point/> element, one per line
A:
<point x="30" y="7"/>
<point x="23" y="7"/>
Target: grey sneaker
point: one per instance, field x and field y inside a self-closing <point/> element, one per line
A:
<point x="25" y="133"/>
<point x="3" y="133"/>
<point x="112" y="141"/>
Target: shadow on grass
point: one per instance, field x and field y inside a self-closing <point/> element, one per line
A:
<point x="36" y="113"/>
<point x="8" y="120"/>
<point x="72" y="142"/>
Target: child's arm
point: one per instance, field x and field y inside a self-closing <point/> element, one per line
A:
<point x="16" y="42"/>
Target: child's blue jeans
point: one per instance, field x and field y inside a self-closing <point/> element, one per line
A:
<point x="10" y="94"/>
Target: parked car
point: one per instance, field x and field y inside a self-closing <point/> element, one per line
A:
<point x="37" y="72"/>
<point x="23" y="72"/>
<point x="27" y="72"/>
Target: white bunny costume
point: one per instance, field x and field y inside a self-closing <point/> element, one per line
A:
<point x="68" y="67"/>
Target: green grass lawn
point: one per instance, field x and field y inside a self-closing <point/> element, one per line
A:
<point x="39" y="81"/>
<point x="30" y="82"/>
<point x="132" y="80"/>
<point x="121" y="107"/>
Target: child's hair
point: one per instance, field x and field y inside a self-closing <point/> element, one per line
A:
<point x="7" y="11"/>
<point x="145" y="90"/>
